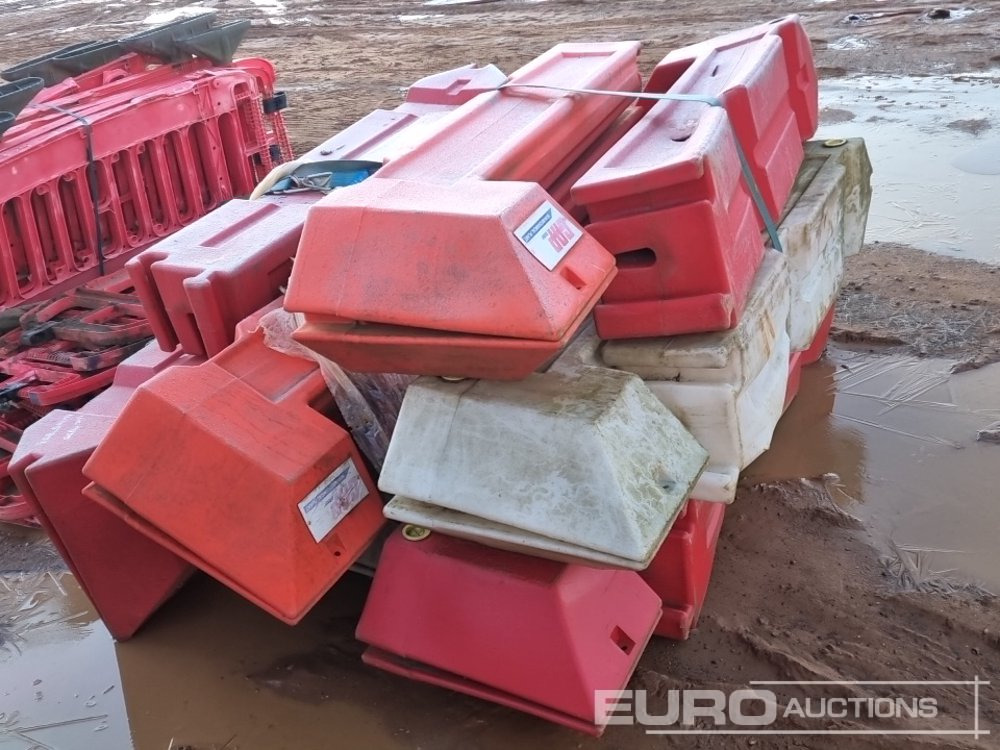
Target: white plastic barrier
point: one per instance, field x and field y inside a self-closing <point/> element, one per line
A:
<point x="588" y="467"/>
<point x="826" y="224"/>
<point x="728" y="388"/>
<point x="735" y="425"/>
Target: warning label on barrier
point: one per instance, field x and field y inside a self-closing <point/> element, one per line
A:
<point x="334" y="498"/>
<point x="548" y="234"/>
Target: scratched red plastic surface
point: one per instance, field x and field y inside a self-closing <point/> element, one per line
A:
<point x="554" y="633"/>
<point x="680" y="572"/>
<point x="213" y="461"/>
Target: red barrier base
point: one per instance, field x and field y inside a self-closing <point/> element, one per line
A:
<point x="524" y="632"/>
<point x="419" y="351"/>
<point x="418" y="672"/>
<point x="818" y="346"/>
<point x="125" y="575"/>
<point x="681" y="570"/>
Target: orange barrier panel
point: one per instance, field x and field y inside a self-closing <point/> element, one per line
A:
<point x="426" y="269"/>
<point x="238" y="466"/>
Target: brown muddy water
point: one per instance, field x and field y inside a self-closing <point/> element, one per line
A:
<point x="895" y="439"/>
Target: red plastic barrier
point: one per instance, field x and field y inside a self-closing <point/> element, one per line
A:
<point x="794" y="378"/>
<point x="532" y="634"/>
<point x="748" y="71"/>
<point x="680" y="572"/>
<point x="809" y="356"/>
<point x="133" y="372"/>
<point x="382" y="133"/>
<point x="669" y="199"/>
<point x="498" y="315"/>
<point x="51" y="384"/>
<point x="815" y="351"/>
<point x="687" y="259"/>
<point x="454" y="87"/>
<point x="199" y="283"/>
<point x="444" y="273"/>
<point x="125" y="575"/>
<point x="167" y="149"/>
<point x="65" y="354"/>
<point x="14" y="508"/>
<point x="92" y="318"/>
<point x="803" y="94"/>
<point x="236" y="466"/>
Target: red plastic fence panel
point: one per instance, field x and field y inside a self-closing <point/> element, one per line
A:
<point x="169" y="145"/>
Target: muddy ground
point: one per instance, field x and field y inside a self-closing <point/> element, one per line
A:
<point x="802" y="589"/>
<point x="340" y="59"/>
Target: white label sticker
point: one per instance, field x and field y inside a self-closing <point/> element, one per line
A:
<point x="334" y="498"/>
<point x="548" y="234"/>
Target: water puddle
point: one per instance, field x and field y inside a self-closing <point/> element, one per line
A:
<point x="935" y="147"/>
<point x="900" y="434"/>
<point x="59" y="681"/>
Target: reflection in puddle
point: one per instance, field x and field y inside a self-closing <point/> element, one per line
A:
<point x="59" y="682"/>
<point x="936" y="164"/>
<point x="901" y="435"/>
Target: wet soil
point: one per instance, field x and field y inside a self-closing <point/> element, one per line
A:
<point x="339" y="60"/>
<point x="897" y="298"/>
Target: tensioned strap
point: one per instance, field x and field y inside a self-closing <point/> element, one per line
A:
<point x="91" y="179"/>
<point x="712" y="101"/>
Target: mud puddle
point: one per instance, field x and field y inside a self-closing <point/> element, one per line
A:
<point x="895" y="440"/>
<point x="59" y="680"/>
<point x="935" y="148"/>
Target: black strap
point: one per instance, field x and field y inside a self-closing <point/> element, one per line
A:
<point x="91" y="179"/>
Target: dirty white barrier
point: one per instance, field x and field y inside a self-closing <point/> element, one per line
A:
<point x="586" y="467"/>
<point x="727" y="388"/>
<point x="824" y="225"/>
